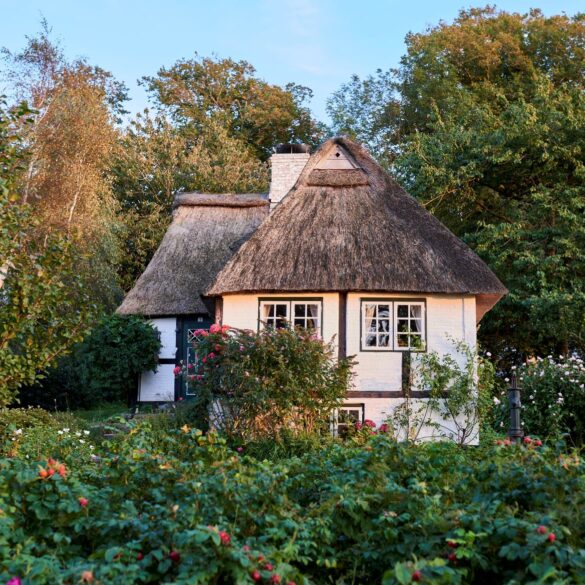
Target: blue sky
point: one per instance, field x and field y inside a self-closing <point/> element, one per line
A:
<point x="318" y="43"/>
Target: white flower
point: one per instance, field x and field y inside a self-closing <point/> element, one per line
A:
<point x="513" y="367"/>
<point x="65" y="430"/>
<point x="81" y="441"/>
<point x="86" y="432"/>
<point x="18" y="432"/>
<point x="496" y="400"/>
<point x="506" y="379"/>
<point x="78" y="434"/>
<point x="531" y="397"/>
<point x="91" y="447"/>
<point x="501" y="424"/>
<point x="489" y="354"/>
<point x="59" y="432"/>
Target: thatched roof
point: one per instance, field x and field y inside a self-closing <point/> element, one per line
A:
<point x="205" y="232"/>
<point x="348" y="226"/>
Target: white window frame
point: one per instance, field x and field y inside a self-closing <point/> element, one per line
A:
<point x="366" y="332"/>
<point x="291" y="303"/>
<point x="394" y="333"/>
<point x="420" y="333"/>
<point x="264" y="321"/>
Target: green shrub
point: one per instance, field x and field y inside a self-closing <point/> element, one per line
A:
<point x="553" y="398"/>
<point x="14" y="419"/>
<point x="187" y="509"/>
<point x="257" y="385"/>
<point x="102" y="368"/>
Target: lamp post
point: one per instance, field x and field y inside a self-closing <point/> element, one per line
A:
<point x="515" y="432"/>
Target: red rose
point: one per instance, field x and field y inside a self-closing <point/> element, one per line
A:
<point x="452" y="544"/>
<point x="256" y="576"/>
<point x="542" y="529"/>
<point x="551" y="537"/>
<point x="275" y="579"/>
<point x="225" y="538"/>
<point x="268" y="567"/>
<point x="177" y="370"/>
<point x="527" y="440"/>
<point x="83" y="501"/>
<point x="383" y="428"/>
<point x="538" y="443"/>
<point x="139" y="556"/>
<point x="358" y="426"/>
<point x="210" y="355"/>
<point x="217" y="347"/>
<point x="370" y="423"/>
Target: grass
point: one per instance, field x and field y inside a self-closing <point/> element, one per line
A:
<point x="102" y="412"/>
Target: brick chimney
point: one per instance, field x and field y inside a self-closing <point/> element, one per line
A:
<point x="287" y="164"/>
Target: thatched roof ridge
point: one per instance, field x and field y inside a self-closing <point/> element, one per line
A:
<point x="345" y="234"/>
<point x="207" y="229"/>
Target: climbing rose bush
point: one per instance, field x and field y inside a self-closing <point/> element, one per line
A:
<point x="252" y="385"/>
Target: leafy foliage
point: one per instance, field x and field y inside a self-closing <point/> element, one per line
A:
<point x="482" y="122"/>
<point x="261" y="385"/>
<point x="553" y="398"/>
<point x="187" y="509"/>
<point x="102" y="368"/>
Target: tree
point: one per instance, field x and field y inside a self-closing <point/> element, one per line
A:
<point x="43" y="305"/>
<point x="69" y="142"/>
<point x="487" y="125"/>
<point x="259" y="114"/>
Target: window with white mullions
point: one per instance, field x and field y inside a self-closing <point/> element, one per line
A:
<point x="287" y="313"/>
<point x="409" y="325"/>
<point x="377" y="325"/>
<point x="306" y="315"/>
<point x="275" y="315"/>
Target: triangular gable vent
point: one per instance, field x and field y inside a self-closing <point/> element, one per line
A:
<point x="337" y="159"/>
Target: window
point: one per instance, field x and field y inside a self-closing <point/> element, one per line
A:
<point x="393" y="325"/>
<point x="347" y="416"/>
<point x="305" y="313"/>
<point x="409" y="325"/>
<point x="377" y="324"/>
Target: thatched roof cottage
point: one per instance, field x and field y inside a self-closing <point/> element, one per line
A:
<point x="346" y="251"/>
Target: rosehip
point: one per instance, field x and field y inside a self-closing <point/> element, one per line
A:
<point x="538" y="443"/>
<point x="452" y="557"/>
<point x="452" y="544"/>
<point x="551" y="537"/>
<point x="527" y="440"/>
<point x="224" y="537"/>
<point x="542" y="529"/>
<point x="87" y="576"/>
<point x="256" y="576"/>
<point x="51" y="462"/>
<point x="268" y="567"/>
<point x="83" y="502"/>
<point x="275" y="579"/>
<point x="175" y="556"/>
<point x="51" y="472"/>
<point x="43" y="473"/>
<point x="246" y="548"/>
<point x="417" y="576"/>
<point x="139" y="556"/>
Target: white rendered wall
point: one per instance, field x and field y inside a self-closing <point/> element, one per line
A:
<point x="157" y="386"/>
<point x="167" y="326"/>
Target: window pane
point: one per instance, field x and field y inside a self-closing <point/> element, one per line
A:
<point x="370" y="311"/>
<point x="416" y="341"/>
<point x="371" y="340"/>
<point x="383" y="340"/>
<point x="383" y="311"/>
<point x="415" y="311"/>
<point x="281" y="310"/>
<point x="312" y="323"/>
<point x="402" y="326"/>
<point x="402" y="310"/>
<point x="415" y="325"/>
<point x="402" y="340"/>
<point x="300" y="323"/>
<point x="281" y="323"/>
<point x="313" y="310"/>
<point x="300" y="310"/>
<point x="384" y="325"/>
<point x="268" y="311"/>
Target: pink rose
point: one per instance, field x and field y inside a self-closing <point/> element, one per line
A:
<point x="210" y="356"/>
<point x="358" y="426"/>
<point x="215" y="328"/>
<point x="177" y="370"/>
<point x="14" y="581"/>
<point x="370" y="423"/>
